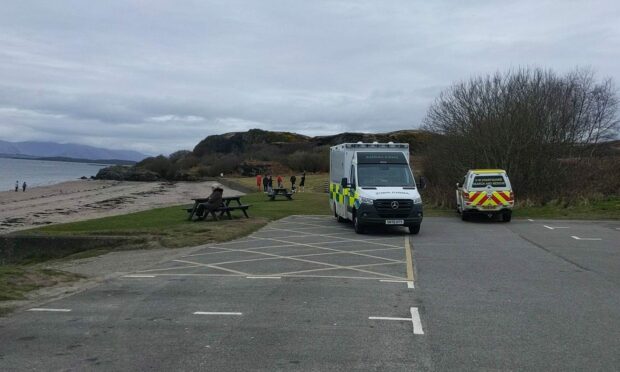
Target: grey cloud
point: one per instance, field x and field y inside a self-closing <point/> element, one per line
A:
<point x="158" y="76"/>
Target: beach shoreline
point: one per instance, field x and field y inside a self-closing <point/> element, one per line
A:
<point x="87" y="199"/>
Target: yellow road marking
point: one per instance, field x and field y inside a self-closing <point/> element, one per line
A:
<point x="409" y="259"/>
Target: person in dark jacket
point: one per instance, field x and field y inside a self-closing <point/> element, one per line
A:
<point x="293" y="180"/>
<point x="270" y="184"/>
<point x="302" y="183"/>
<point x="213" y="203"/>
<point x="265" y="183"/>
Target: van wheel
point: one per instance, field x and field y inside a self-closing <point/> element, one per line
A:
<point x="414" y="229"/>
<point x="507" y="216"/>
<point x="359" y="228"/>
<point x="464" y="216"/>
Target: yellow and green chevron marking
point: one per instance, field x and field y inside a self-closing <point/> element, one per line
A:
<point x="343" y="195"/>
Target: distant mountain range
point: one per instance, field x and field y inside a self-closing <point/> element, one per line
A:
<point x="65" y="151"/>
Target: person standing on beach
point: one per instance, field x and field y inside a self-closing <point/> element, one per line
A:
<point x="16" y="186"/>
<point x="302" y="183"/>
<point x="24" y="186"/>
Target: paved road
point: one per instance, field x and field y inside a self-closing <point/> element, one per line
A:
<point x="306" y="293"/>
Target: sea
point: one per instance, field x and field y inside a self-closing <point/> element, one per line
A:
<point x="42" y="172"/>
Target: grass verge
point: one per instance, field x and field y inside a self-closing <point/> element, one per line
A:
<point x="169" y="227"/>
<point x="15" y="280"/>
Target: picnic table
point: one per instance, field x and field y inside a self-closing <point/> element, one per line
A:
<point x="280" y="191"/>
<point x="225" y="207"/>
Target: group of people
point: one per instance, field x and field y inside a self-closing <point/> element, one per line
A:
<point x="266" y="182"/>
<point x="17" y="186"/>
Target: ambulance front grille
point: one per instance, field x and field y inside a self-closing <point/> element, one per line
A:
<point x="385" y="208"/>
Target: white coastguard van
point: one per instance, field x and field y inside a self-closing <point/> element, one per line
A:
<point x="485" y="191"/>
<point x="372" y="184"/>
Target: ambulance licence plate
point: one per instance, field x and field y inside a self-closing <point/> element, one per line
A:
<point x="394" y="222"/>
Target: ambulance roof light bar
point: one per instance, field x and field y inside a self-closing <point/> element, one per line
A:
<point x="374" y="144"/>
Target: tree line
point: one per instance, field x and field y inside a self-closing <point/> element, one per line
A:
<point x="543" y="128"/>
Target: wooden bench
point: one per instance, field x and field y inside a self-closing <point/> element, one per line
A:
<point x="280" y="191"/>
<point x="225" y="208"/>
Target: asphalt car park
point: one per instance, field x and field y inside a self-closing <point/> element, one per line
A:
<point x="307" y="293"/>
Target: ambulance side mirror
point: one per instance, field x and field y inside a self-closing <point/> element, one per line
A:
<point x="458" y="185"/>
<point x="344" y="183"/>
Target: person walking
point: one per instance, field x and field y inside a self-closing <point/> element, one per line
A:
<point x="24" y="187"/>
<point x="302" y="183"/>
<point x="16" y="186"/>
<point x="279" y="182"/>
<point x="259" y="181"/>
<point x="270" y="184"/>
<point x="293" y="180"/>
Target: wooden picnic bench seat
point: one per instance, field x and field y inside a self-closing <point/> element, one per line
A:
<point x="224" y="209"/>
<point x="280" y="191"/>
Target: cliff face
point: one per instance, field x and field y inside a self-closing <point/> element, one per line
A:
<point x="252" y="152"/>
<point x="242" y="142"/>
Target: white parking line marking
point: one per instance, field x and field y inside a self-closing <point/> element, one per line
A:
<point x="216" y="313"/>
<point x="555" y="227"/>
<point x="531" y="220"/>
<point x="409" y="282"/>
<point x="387" y="318"/>
<point x="415" y="320"/>
<point x="50" y="310"/>
<point x="214" y="267"/>
<point x="138" y="276"/>
<point x="263" y="277"/>
<point x="417" y="323"/>
<point x="578" y="238"/>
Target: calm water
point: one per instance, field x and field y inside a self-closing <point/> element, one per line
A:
<point x="40" y="173"/>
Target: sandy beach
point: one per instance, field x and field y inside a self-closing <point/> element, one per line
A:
<point x="87" y="199"/>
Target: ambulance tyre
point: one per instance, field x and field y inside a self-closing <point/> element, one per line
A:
<point x="507" y="216"/>
<point x="359" y="228"/>
<point x="464" y="216"/>
<point x="414" y="229"/>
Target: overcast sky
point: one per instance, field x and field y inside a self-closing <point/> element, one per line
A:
<point x="157" y="76"/>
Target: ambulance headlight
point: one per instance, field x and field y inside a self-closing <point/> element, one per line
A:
<point x="417" y="200"/>
<point x="364" y="200"/>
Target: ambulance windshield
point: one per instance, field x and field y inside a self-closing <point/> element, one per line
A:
<point x="385" y="175"/>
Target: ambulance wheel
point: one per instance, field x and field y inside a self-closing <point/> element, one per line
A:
<point x="359" y="228"/>
<point x="507" y="216"/>
<point x="464" y="216"/>
<point x="414" y="229"/>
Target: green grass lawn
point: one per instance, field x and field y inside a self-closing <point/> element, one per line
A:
<point x="169" y="227"/>
<point x="314" y="182"/>
<point x="608" y="208"/>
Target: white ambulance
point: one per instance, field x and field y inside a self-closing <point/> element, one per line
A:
<point x="372" y="184"/>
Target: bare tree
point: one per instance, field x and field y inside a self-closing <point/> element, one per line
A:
<point x="527" y="121"/>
